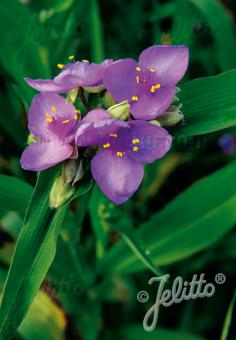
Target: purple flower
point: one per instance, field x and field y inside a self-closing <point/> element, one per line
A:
<point x="148" y="85"/>
<point x="52" y="120"/>
<point x="125" y="148"/>
<point x="73" y="75"/>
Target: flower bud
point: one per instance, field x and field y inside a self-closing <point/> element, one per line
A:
<point x="172" y="116"/>
<point x="73" y="171"/>
<point x="94" y="89"/>
<point x="60" y="193"/>
<point x="107" y="100"/>
<point x="120" y="111"/>
<point x="32" y="139"/>
<point x="72" y="95"/>
<point x="155" y="122"/>
<point x="170" y="119"/>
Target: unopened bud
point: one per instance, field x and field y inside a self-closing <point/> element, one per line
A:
<point x="120" y="111"/>
<point x="172" y="116"/>
<point x="61" y="192"/>
<point x="107" y="100"/>
<point x="170" y="119"/>
<point x="94" y="89"/>
<point x="32" y="139"/>
<point x="72" y="95"/>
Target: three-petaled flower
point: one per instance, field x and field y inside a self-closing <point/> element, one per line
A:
<point x="125" y="148"/>
<point x="73" y="75"/>
<point x="148" y="85"/>
<point x="146" y="88"/>
<point x="53" y="121"/>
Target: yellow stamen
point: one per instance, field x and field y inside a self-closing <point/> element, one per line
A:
<point x="54" y="109"/>
<point x="60" y="66"/>
<point x="49" y="120"/>
<point x="152" y="69"/>
<point x="135" y="148"/>
<point x="137" y="79"/>
<point x="77" y="111"/>
<point x="153" y="88"/>
<point x="158" y="86"/>
<point x="75" y="116"/>
<point x="71" y="57"/>
<point x="107" y="145"/>
<point x="135" y="141"/>
<point x="85" y="61"/>
<point x="119" y="154"/>
<point x="113" y="135"/>
<point x="135" y="98"/>
<point x="47" y="114"/>
<point x="65" y="121"/>
<point x="138" y="69"/>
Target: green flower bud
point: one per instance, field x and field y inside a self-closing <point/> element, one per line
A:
<point x="172" y="116"/>
<point x="73" y="171"/>
<point x="61" y="192"/>
<point x="94" y="89"/>
<point x="32" y="139"/>
<point x="72" y="95"/>
<point x="155" y="122"/>
<point x="107" y="100"/>
<point x="120" y="111"/>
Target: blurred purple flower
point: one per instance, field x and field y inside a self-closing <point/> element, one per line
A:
<point x="73" y="75"/>
<point x="148" y="85"/>
<point x="227" y="143"/>
<point x="52" y="120"/>
<point x="125" y="148"/>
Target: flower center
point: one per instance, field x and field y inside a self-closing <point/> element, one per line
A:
<point x="51" y="117"/>
<point x="144" y="78"/>
<point x="117" y="146"/>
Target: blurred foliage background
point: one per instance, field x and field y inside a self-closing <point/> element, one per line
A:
<point x="183" y="216"/>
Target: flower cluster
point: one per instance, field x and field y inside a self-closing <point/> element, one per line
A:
<point x="124" y="143"/>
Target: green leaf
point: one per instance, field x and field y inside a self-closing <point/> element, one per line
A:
<point x="209" y="104"/>
<point x="222" y="26"/>
<point x="228" y="319"/>
<point x="96" y="33"/>
<point x="14" y="194"/>
<point x="193" y="221"/>
<point x="21" y="53"/>
<point x="34" y="253"/>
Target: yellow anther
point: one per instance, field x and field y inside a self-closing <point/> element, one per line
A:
<point x="107" y="145"/>
<point x="135" y="98"/>
<point x="54" y="109"/>
<point x="49" y="120"/>
<point x="137" y="79"/>
<point x="77" y="111"/>
<point x="71" y="57"/>
<point x="85" y="61"/>
<point x="113" y="135"/>
<point x="158" y="86"/>
<point x="65" y="121"/>
<point x="135" y="148"/>
<point x="47" y="114"/>
<point x="153" y="88"/>
<point x="135" y="141"/>
<point x="75" y="116"/>
<point x="152" y="69"/>
<point x="60" y="66"/>
<point x="138" y="69"/>
<point x="119" y="154"/>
